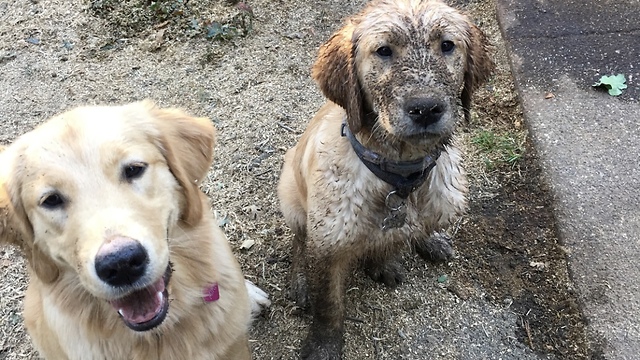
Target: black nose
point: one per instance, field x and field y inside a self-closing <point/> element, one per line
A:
<point x="122" y="263"/>
<point x="425" y="111"/>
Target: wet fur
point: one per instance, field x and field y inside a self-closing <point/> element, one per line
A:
<point x="332" y="202"/>
<point x="80" y="153"/>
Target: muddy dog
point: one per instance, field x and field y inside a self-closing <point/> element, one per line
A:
<point x="377" y="169"/>
<point x="125" y="260"/>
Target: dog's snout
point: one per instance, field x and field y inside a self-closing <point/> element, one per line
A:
<point x="121" y="261"/>
<point x="425" y="111"/>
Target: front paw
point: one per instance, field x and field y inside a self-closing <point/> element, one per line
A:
<point x="325" y="345"/>
<point x="390" y="273"/>
<point x="298" y="292"/>
<point x="437" y="248"/>
<point x="258" y="299"/>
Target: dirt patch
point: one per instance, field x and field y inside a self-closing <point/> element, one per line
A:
<point x="507" y="293"/>
<point x="509" y="246"/>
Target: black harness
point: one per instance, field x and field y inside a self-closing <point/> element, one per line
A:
<point x="404" y="176"/>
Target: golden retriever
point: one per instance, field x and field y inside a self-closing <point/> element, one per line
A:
<point x="377" y="169"/>
<point x="125" y="260"/>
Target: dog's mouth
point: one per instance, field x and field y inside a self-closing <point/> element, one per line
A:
<point x="145" y="309"/>
<point x="402" y="129"/>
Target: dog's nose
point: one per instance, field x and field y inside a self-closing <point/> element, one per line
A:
<point x="425" y="111"/>
<point x="121" y="261"/>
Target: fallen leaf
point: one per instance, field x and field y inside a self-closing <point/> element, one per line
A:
<point x="247" y="244"/>
<point x="538" y="265"/>
<point x="549" y="95"/>
<point x="613" y="83"/>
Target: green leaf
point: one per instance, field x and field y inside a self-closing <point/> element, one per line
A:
<point x="214" y="30"/>
<point x="613" y="83"/>
<point x="195" y="25"/>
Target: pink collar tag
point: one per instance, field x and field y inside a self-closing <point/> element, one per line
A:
<point x="211" y="293"/>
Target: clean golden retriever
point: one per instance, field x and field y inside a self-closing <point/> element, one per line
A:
<point x="377" y="169"/>
<point x="125" y="260"/>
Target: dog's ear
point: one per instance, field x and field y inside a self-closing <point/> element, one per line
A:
<point x="15" y="229"/>
<point x="187" y="144"/>
<point x="479" y="66"/>
<point x="336" y="73"/>
<point x="10" y="229"/>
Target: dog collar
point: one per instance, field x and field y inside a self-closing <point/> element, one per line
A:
<point x="404" y="176"/>
<point x="211" y="293"/>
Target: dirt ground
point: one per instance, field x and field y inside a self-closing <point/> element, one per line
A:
<point x="507" y="294"/>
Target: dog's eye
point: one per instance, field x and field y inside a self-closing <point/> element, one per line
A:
<point x="384" y="51"/>
<point x="52" y="201"/>
<point x="447" y="46"/>
<point x="133" y="171"/>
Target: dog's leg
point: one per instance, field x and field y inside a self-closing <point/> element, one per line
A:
<point x="437" y="248"/>
<point x="326" y="280"/>
<point x="388" y="271"/>
<point x="298" y="292"/>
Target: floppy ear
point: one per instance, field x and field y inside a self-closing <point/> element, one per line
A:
<point x="15" y="229"/>
<point x="9" y="231"/>
<point x="336" y="73"/>
<point x="187" y="144"/>
<point x="478" y="67"/>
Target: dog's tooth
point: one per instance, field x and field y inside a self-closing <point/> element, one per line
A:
<point x="120" y="312"/>
<point x="159" y="296"/>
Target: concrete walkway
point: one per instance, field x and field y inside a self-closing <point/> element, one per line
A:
<point x="589" y="144"/>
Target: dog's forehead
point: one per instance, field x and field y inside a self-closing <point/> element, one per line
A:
<point x="84" y="133"/>
<point x="407" y="21"/>
<point x="91" y="124"/>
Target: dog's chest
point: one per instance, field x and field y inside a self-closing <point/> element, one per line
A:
<point x="391" y="216"/>
<point x="361" y="211"/>
<point x="381" y="219"/>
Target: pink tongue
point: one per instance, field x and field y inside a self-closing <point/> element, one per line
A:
<point x="142" y="305"/>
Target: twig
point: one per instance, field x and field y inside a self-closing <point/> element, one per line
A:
<point x="485" y="330"/>
<point x="377" y="347"/>
<point x="528" y="330"/>
<point x="350" y="318"/>
<point x="287" y="128"/>
<point x="455" y="231"/>
<point x="263" y="173"/>
<point x="274" y="286"/>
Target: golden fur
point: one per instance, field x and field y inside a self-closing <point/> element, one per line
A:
<point x="390" y="53"/>
<point x="81" y="157"/>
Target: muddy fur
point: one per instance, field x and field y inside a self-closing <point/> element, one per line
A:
<point x="391" y="54"/>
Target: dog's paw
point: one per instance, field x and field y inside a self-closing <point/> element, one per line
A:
<point x="437" y="248"/>
<point x="322" y="347"/>
<point x="299" y="291"/>
<point x="390" y="273"/>
<point x="258" y="299"/>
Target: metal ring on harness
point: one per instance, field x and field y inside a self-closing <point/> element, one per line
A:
<point x="388" y="204"/>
